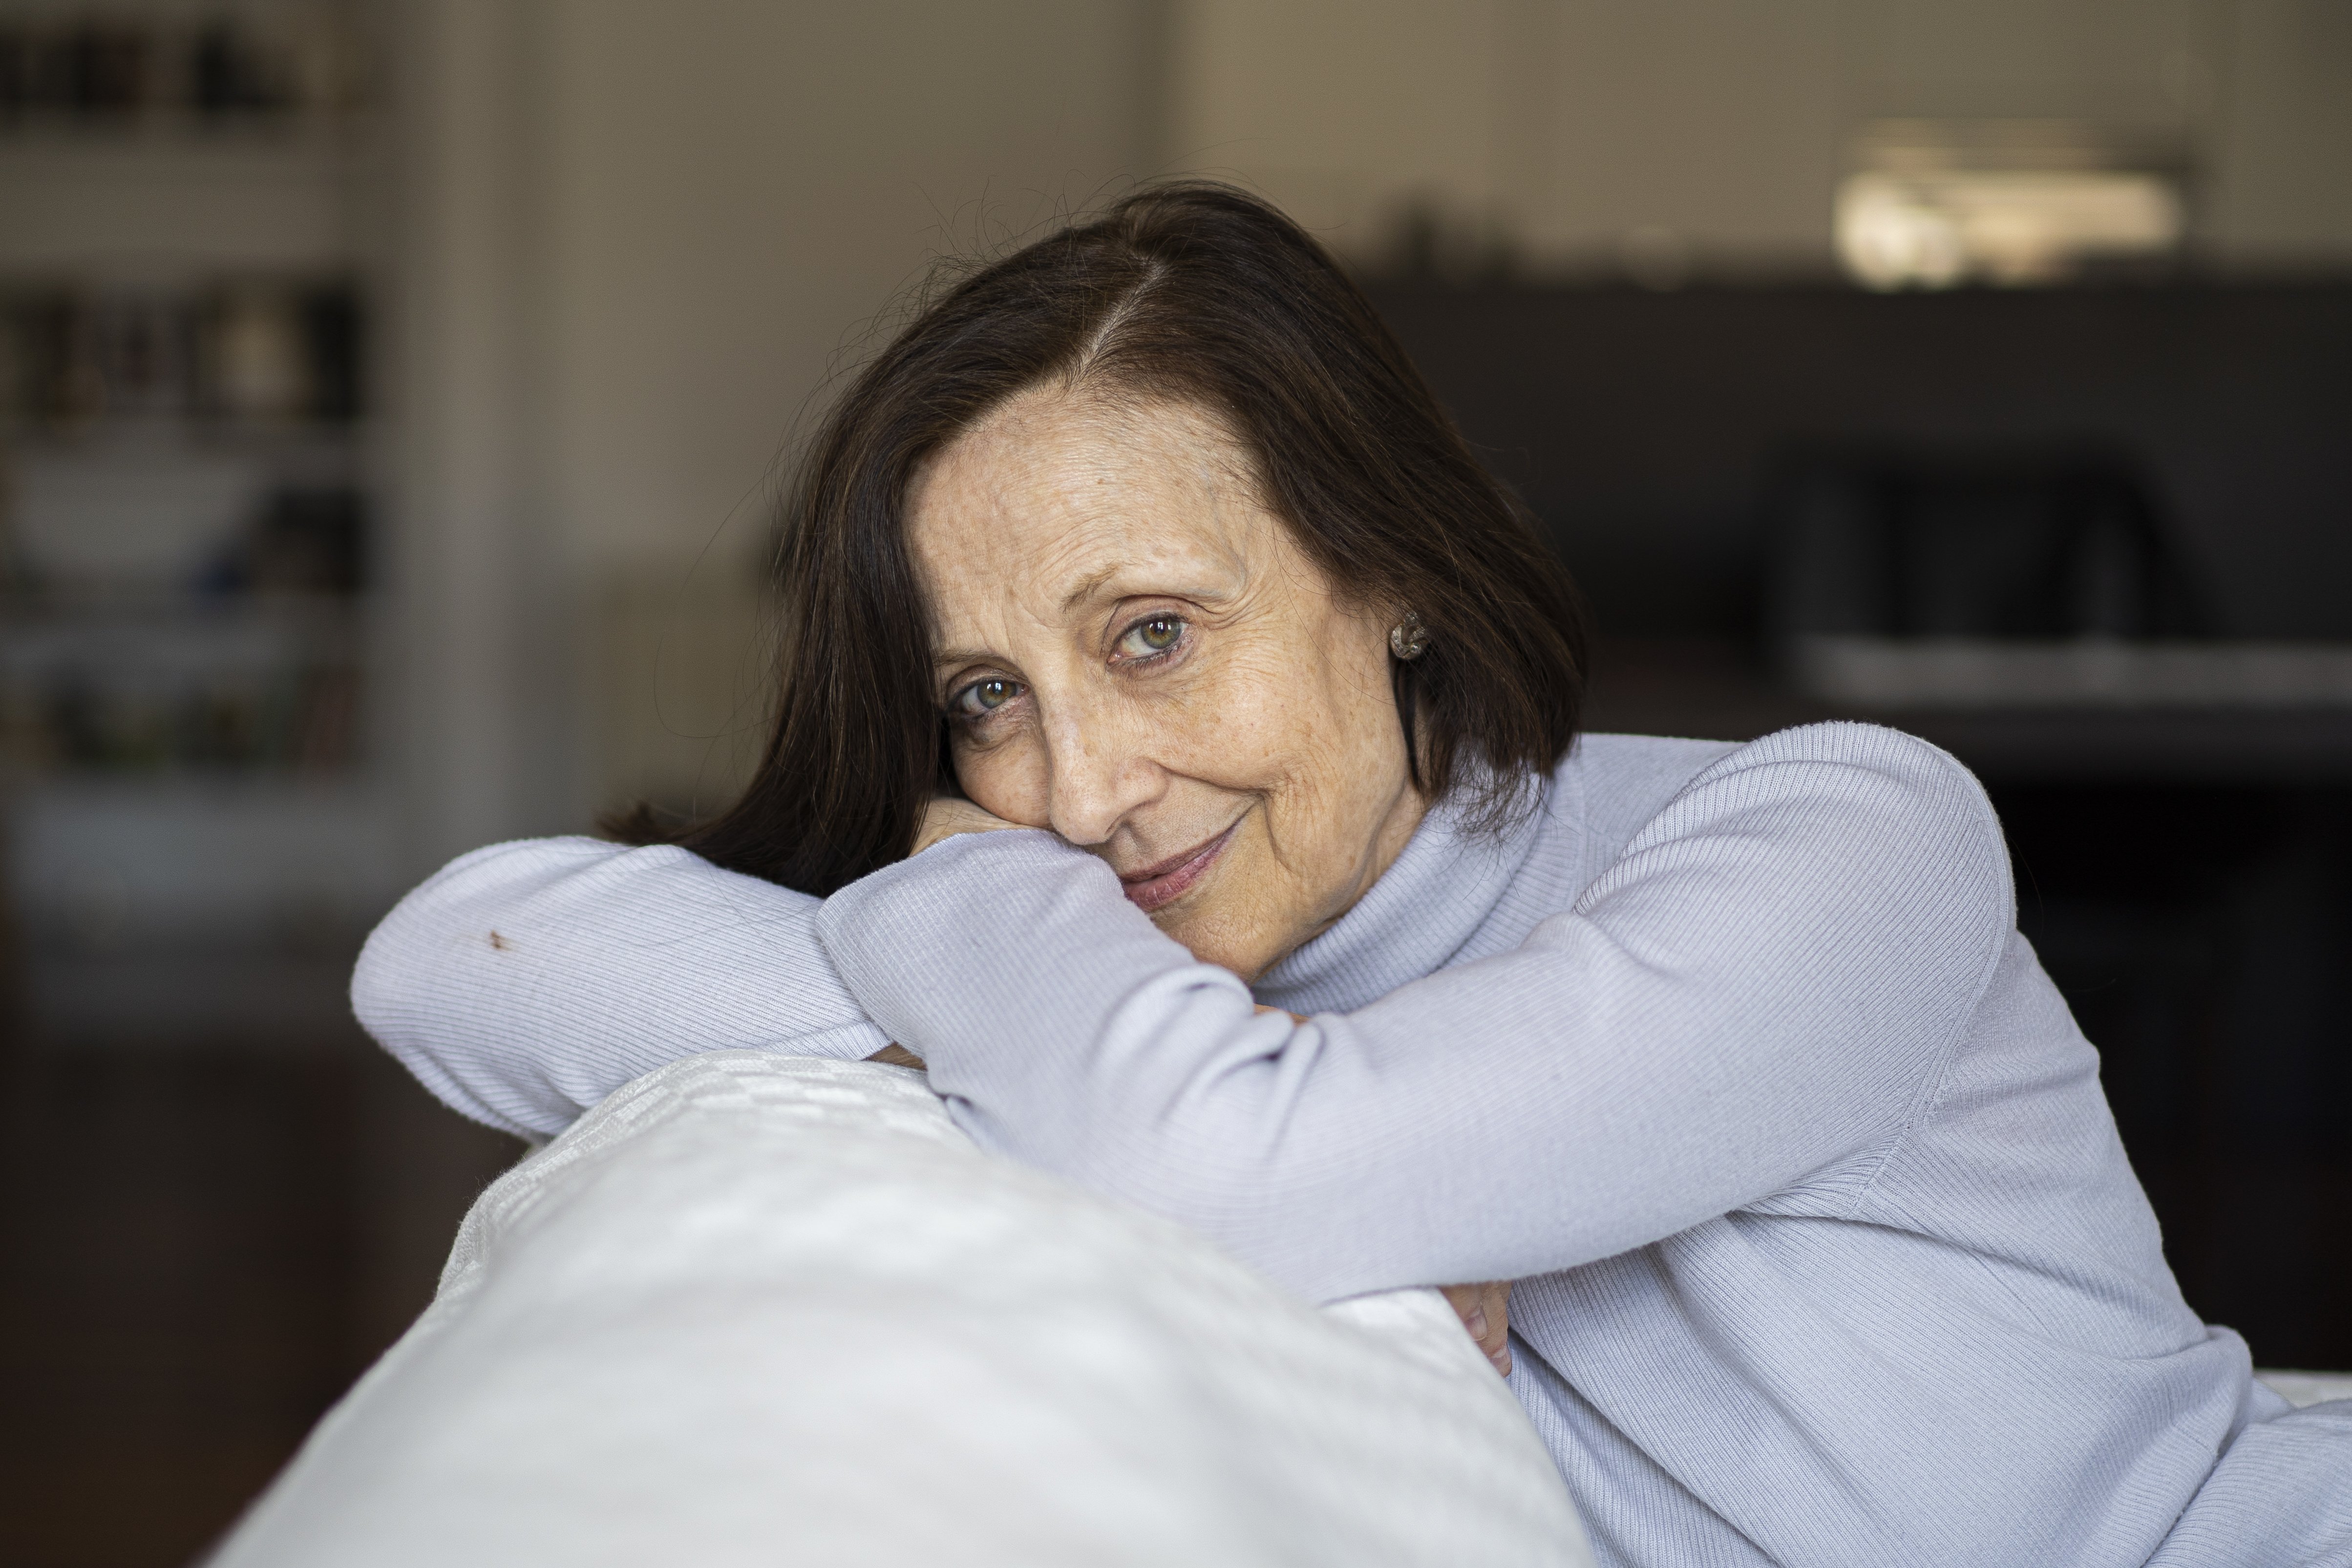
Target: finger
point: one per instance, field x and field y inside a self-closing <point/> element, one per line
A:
<point x="1495" y="1310"/>
<point x="1485" y="1312"/>
<point x="1489" y="1307"/>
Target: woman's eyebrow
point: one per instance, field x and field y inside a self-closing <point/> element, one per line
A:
<point x="1093" y="586"/>
<point x="1087" y="587"/>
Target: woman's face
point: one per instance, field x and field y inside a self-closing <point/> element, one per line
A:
<point x="1133" y="653"/>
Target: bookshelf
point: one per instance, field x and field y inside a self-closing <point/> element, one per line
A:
<point x="187" y="510"/>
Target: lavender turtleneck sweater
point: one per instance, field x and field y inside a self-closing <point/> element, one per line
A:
<point x="1731" y="1056"/>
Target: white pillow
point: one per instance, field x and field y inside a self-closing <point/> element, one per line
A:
<point x="2303" y="1388"/>
<point x="758" y="1308"/>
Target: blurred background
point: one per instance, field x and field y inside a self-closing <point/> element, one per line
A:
<point x="391" y="393"/>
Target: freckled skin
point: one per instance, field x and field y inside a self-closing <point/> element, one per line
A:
<point x="1059" y="542"/>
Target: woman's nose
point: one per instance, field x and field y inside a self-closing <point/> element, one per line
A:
<point x="1099" y="776"/>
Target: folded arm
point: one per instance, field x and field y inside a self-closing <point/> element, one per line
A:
<point x="1761" y="991"/>
<point x="527" y="980"/>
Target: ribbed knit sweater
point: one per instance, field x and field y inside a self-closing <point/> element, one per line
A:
<point x="1732" y="1056"/>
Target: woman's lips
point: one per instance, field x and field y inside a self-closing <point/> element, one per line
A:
<point x="1155" y="887"/>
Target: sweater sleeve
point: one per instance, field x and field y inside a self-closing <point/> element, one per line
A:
<point x="527" y="980"/>
<point x="1760" y="994"/>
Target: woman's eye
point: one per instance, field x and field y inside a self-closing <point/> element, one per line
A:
<point x="983" y="698"/>
<point x="1152" y="635"/>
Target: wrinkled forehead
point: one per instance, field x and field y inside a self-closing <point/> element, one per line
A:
<point x="1058" y="500"/>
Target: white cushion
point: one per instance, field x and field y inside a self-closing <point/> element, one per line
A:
<point x="756" y="1309"/>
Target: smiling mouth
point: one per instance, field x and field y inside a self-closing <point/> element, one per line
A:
<point x="1157" y="886"/>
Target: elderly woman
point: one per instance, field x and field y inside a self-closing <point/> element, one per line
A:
<point x="1176" y="750"/>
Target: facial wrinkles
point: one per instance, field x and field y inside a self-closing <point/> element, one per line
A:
<point x="1210" y="725"/>
<point x="1051" y="518"/>
<point x="1313" y="784"/>
<point x="1144" y="730"/>
<point x="1277" y="716"/>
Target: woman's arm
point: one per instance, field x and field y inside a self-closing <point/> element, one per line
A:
<point x="1762" y="990"/>
<point x="527" y="980"/>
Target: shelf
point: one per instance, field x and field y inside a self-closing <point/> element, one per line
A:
<point x="317" y="451"/>
<point x="1972" y="675"/>
<point x="260" y="687"/>
<point x="197" y="642"/>
<point x="1713" y="690"/>
<point x="101" y="864"/>
<point x="145" y="202"/>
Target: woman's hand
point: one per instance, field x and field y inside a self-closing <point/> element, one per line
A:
<point x="1486" y="1311"/>
<point x="949" y="815"/>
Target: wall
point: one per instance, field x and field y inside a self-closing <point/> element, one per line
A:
<point x="1690" y="133"/>
<point x="636" y="240"/>
<point x="2282" y="180"/>
<point x="736" y="188"/>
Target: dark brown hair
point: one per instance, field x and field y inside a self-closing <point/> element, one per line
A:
<point x="1184" y="291"/>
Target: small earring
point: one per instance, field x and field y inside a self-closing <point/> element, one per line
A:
<point x="1409" y="640"/>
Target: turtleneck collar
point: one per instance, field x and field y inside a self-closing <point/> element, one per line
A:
<point x="1412" y="922"/>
